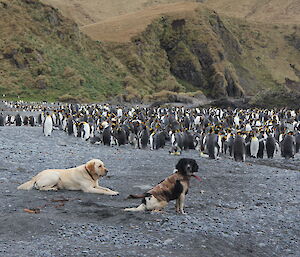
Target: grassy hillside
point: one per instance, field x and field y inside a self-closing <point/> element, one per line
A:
<point x="172" y="51"/>
<point x="85" y="12"/>
<point x="107" y="19"/>
<point x="219" y="55"/>
<point x="246" y="57"/>
<point x="44" y="56"/>
<point x="267" y="11"/>
<point x="122" y="28"/>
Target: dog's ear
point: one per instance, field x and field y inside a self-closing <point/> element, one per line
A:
<point x="90" y="165"/>
<point x="180" y="166"/>
<point x="195" y="166"/>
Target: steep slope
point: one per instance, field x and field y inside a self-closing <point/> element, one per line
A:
<point x="44" y="56"/>
<point x="85" y="12"/>
<point x="119" y="21"/>
<point x="231" y="57"/>
<point x="267" y="11"/>
<point x="172" y="51"/>
<point x="218" y="55"/>
<point x="123" y="27"/>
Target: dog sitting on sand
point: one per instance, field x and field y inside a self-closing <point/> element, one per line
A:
<point x="174" y="187"/>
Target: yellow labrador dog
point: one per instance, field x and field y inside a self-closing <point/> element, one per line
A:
<point x="84" y="177"/>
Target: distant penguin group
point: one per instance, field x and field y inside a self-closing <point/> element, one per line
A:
<point x="214" y="132"/>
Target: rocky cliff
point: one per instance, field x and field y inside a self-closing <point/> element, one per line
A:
<point x="179" y="56"/>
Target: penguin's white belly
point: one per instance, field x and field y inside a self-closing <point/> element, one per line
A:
<point x="48" y="127"/>
<point x="254" y="146"/>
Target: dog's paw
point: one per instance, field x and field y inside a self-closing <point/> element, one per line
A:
<point x="157" y="211"/>
<point x="114" y="193"/>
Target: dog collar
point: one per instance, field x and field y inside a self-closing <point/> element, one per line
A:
<point x="88" y="173"/>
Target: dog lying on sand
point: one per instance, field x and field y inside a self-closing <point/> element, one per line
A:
<point x="84" y="178"/>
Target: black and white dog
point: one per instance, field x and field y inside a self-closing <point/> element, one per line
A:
<point x="174" y="187"/>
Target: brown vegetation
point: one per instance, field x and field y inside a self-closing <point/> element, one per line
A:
<point x="122" y="28"/>
<point x="266" y="11"/>
<point x="118" y="21"/>
<point x="147" y="49"/>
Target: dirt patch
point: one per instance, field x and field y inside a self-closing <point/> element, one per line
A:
<point x="273" y="11"/>
<point x="122" y="28"/>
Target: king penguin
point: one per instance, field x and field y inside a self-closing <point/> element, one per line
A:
<point x="18" y="120"/>
<point x="75" y="128"/>
<point x="70" y="126"/>
<point x="1" y="120"/>
<point x="188" y="140"/>
<point x="261" y="147"/>
<point x="297" y="138"/>
<point x="270" y="146"/>
<point x="32" y="121"/>
<point x="239" y="150"/>
<point x="288" y="146"/>
<point x="254" y="146"/>
<point x="143" y="137"/>
<point x="212" y="146"/>
<point x="48" y="125"/>
<point x="86" y="131"/>
<point x="120" y="135"/>
<point x="41" y="118"/>
<point x="25" y="121"/>
<point x="106" y="135"/>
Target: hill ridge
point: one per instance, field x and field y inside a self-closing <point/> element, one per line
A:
<point x="123" y="28"/>
<point x="177" y="57"/>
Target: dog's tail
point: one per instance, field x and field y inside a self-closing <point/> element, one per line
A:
<point x="136" y="196"/>
<point x="27" y="185"/>
<point x="142" y="207"/>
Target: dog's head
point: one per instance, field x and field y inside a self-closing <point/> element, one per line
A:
<point x="187" y="166"/>
<point x="96" y="168"/>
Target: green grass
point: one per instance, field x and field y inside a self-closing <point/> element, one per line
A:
<point x="206" y="53"/>
<point x="95" y="75"/>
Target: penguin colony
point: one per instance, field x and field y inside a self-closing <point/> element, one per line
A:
<point x="238" y="133"/>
